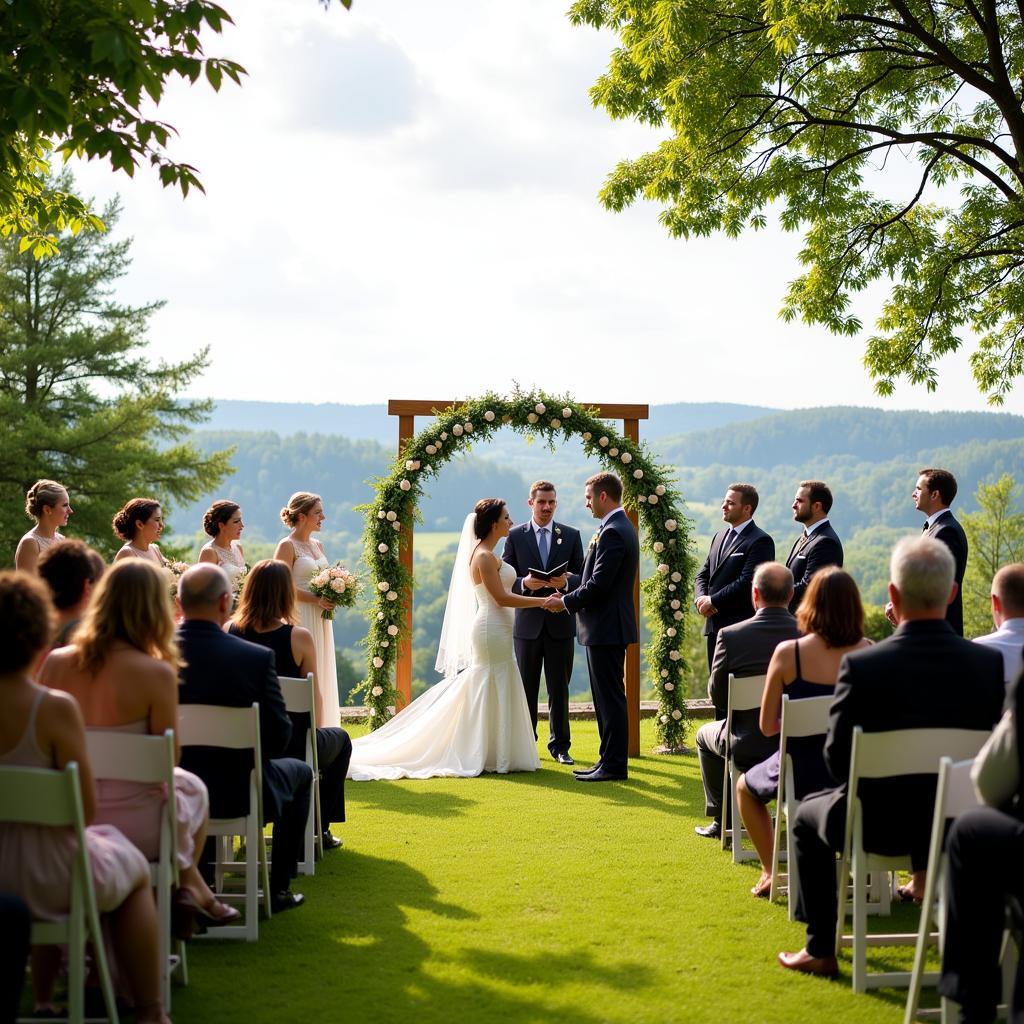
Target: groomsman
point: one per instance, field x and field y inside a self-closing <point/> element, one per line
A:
<point x="933" y="494"/>
<point x="819" y="544"/>
<point x="542" y="640"/>
<point x="722" y="588"/>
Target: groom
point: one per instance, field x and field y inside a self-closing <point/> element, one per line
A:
<point x="603" y="605"/>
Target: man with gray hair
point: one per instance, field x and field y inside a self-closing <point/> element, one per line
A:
<point x="743" y="649"/>
<point x="924" y="676"/>
<point x="226" y="670"/>
<point x="1008" y="616"/>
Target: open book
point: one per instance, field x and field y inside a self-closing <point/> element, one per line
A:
<point x="547" y="574"/>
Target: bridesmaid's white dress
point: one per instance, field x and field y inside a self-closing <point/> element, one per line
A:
<point x="473" y="722"/>
<point x="307" y="558"/>
<point x="231" y="561"/>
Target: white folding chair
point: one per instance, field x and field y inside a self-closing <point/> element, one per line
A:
<point x="211" y="725"/>
<point x="42" y="796"/>
<point x="149" y="759"/>
<point x="884" y="755"/>
<point x="807" y="717"/>
<point x="744" y="695"/>
<point x="299" y="699"/>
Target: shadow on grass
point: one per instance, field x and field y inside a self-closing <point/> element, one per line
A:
<point x="578" y="967"/>
<point x="410" y="799"/>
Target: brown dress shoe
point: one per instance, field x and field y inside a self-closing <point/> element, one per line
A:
<point x="823" y="966"/>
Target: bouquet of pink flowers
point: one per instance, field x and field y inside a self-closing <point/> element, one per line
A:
<point x="335" y="584"/>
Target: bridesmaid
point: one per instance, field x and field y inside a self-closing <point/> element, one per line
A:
<point x="223" y="522"/>
<point x="48" y="504"/>
<point x="304" y="514"/>
<point x="139" y="524"/>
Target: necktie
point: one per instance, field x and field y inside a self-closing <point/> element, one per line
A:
<point x="924" y="526"/>
<point x="730" y="539"/>
<point x="542" y="544"/>
<point x="803" y="541"/>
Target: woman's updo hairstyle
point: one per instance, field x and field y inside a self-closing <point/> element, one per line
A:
<point x="219" y="512"/>
<point x="138" y="510"/>
<point x="299" y="504"/>
<point x="488" y="512"/>
<point x="42" y="494"/>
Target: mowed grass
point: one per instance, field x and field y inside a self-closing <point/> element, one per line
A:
<point x="526" y="897"/>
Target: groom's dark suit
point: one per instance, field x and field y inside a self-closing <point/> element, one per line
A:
<point x="951" y="533"/>
<point x="606" y="618"/>
<point x="543" y="640"/>
<point x="726" y="579"/>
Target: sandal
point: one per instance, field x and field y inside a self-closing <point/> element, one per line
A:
<point x="762" y="890"/>
<point x="217" y="914"/>
<point x="904" y="894"/>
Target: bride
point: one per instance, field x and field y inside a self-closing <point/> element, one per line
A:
<point x="476" y="719"/>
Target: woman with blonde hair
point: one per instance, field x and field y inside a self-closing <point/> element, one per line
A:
<point x="831" y="617"/>
<point x="122" y="668"/>
<point x="46" y="502"/>
<point x="304" y="514"/>
<point x="139" y="524"/>
<point x="222" y="522"/>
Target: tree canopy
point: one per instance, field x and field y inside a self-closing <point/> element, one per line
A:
<point x="81" y="400"/>
<point x="805" y="108"/>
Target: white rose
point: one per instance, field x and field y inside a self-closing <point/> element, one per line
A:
<point x="385" y="643"/>
<point x="671" y="587"/>
<point x="603" y="442"/>
<point x="652" y="499"/>
<point x="671" y="543"/>
<point x="670" y="687"/>
<point x="677" y="577"/>
<point x="663" y="568"/>
<point x="392" y="630"/>
<point x="626" y="458"/>
<point x="677" y="714"/>
<point x="664" y="673"/>
<point x="431" y="450"/>
<point x="678" y="616"/>
<point x="396" y="527"/>
<point x="556" y="423"/>
<point x="587" y="435"/>
<point x="506" y="419"/>
<point x="540" y="409"/>
<point x="391" y="517"/>
<point x="392" y="596"/>
<point x="372" y="714"/>
<point x="444" y="435"/>
<point x="638" y="474"/>
<point x="671" y="631"/>
<point x="663" y="719"/>
<point x="383" y="548"/>
<point x="338" y="586"/>
<point x="377" y="690"/>
<point x="380" y="515"/>
<point x="566" y="413"/>
<point x="457" y="430"/>
<point x="405" y="485"/>
<point x="659" y="547"/>
<point x="378" y="662"/>
<point x="383" y="586"/>
<point x="489" y="416"/>
<point x="410" y="465"/>
<point x="674" y="655"/>
<point x="674" y="603"/>
<point x="613" y="452"/>
<point x="380" y="616"/>
<point x="531" y="417"/>
<point x="670" y="525"/>
<point x="467" y="427"/>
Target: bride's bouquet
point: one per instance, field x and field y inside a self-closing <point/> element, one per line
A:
<point x="335" y="584"/>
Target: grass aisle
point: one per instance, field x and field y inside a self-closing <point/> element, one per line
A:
<point x="526" y="897"/>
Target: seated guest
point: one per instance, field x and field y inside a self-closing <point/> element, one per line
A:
<point x="70" y="570"/>
<point x="923" y="676"/>
<point x="743" y="649"/>
<point x="831" y="617"/>
<point x="265" y="616"/>
<point x="41" y="728"/>
<point x="122" y="668"/>
<point x="1008" y="616"/>
<point x="986" y="871"/>
<point x="226" y="670"/>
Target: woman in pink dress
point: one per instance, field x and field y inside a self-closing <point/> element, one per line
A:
<point x="46" y="502"/>
<point x="41" y="728"/>
<point x="122" y="668"/>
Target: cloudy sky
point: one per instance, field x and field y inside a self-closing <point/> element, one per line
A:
<point x="401" y="202"/>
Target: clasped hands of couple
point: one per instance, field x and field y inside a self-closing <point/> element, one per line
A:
<point x="553" y="603"/>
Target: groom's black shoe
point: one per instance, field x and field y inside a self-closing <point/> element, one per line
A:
<point x="587" y="771"/>
<point x="602" y="776"/>
<point x="564" y="758"/>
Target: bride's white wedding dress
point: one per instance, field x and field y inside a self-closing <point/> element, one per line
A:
<point x="471" y="722"/>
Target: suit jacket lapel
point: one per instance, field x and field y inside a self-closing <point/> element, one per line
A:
<point x="531" y="548"/>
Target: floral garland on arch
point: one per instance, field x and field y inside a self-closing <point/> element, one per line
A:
<point x="646" y="489"/>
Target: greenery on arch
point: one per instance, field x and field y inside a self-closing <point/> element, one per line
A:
<point x="647" y="490"/>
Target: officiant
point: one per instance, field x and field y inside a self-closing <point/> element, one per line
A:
<point x="546" y="556"/>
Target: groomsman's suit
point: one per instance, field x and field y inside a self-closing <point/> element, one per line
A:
<point x="727" y="574"/>
<point x="607" y="624"/>
<point x="945" y="527"/>
<point x="543" y="640"/>
<point x="812" y="551"/>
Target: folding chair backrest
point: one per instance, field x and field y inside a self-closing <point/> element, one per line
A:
<point x="956" y="792"/>
<point x="40" y="796"/>
<point x="807" y="717"/>
<point x="744" y="695"/>
<point x="879" y="755"/>
<point x="298" y="694"/>
<point x="212" y="725"/>
<point x="130" y="757"/>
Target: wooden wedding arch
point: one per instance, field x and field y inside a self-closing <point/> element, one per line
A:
<point x="407" y="410"/>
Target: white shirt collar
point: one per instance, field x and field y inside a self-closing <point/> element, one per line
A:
<point x="604" y="522"/>
<point x="1014" y="625"/>
<point x="810" y="529"/>
<point x="536" y="529"/>
<point x="742" y="526"/>
<point x="935" y="515"/>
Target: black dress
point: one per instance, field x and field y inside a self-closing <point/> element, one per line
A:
<point x="279" y="641"/>
<point x="810" y="773"/>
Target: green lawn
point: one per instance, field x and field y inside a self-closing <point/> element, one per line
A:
<point x="530" y="898"/>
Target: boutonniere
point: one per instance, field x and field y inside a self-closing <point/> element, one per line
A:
<point x="594" y="539"/>
<point x="558" y="535"/>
